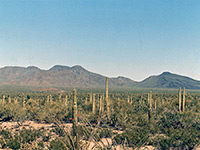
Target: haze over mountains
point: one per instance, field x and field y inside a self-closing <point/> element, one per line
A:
<point x="78" y="77"/>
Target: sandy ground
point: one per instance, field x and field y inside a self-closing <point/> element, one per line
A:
<point x="14" y="126"/>
<point x="31" y="125"/>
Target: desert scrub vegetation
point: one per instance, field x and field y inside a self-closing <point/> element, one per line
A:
<point x="21" y="138"/>
<point x="100" y="120"/>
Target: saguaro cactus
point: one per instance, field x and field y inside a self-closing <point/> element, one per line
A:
<point x="4" y="99"/>
<point x="9" y="100"/>
<point x="48" y="100"/>
<point x="183" y="99"/>
<point x="150" y="100"/>
<point x="15" y="100"/>
<point x="24" y="102"/>
<point x="60" y="97"/>
<point x="91" y="97"/>
<point x="128" y="100"/>
<point x="93" y="104"/>
<point x="86" y="101"/>
<point x="179" y="99"/>
<point x="100" y="104"/>
<point x="131" y="100"/>
<point x="74" y="108"/>
<point x="107" y="99"/>
<point x="74" y="118"/>
<point x="163" y="101"/>
<point x="150" y="108"/>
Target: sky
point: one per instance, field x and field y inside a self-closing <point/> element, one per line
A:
<point x="131" y="38"/>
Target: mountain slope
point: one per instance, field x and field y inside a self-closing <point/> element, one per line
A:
<point x="78" y="77"/>
<point x="58" y="76"/>
<point x="169" y="80"/>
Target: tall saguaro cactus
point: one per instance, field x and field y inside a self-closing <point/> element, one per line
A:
<point x="179" y="99"/>
<point x="107" y="99"/>
<point x="183" y="99"/>
<point x="74" y="108"/>
<point x="74" y="117"/>
<point x="93" y="104"/>
<point x="150" y="100"/>
<point x="100" y="104"/>
<point x="150" y="107"/>
<point x="91" y="97"/>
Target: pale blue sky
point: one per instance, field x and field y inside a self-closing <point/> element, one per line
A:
<point x="132" y="38"/>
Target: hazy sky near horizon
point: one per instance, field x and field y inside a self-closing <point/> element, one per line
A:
<point x="131" y="38"/>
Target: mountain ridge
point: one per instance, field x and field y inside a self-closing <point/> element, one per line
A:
<point x="78" y="77"/>
<point x="170" y="80"/>
<point x="57" y="76"/>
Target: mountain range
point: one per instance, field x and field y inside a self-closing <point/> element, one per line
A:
<point x="78" y="77"/>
